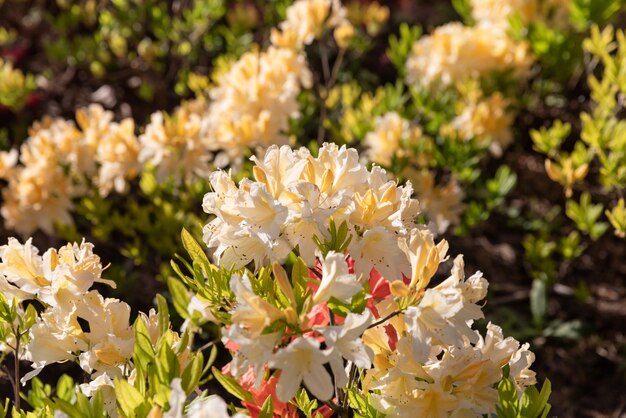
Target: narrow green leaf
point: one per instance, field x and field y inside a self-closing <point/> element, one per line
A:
<point x="267" y="410"/>
<point x="231" y="385"/>
<point x="192" y="373"/>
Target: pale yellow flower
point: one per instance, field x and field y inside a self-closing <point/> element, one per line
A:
<point x="252" y="312"/>
<point x="385" y="140"/>
<point x="117" y="155"/>
<point x="498" y="12"/>
<point x="455" y="53"/>
<point x="111" y="338"/>
<point x="253" y="101"/>
<point x="175" y="146"/>
<point x="307" y="20"/>
<point x="336" y="281"/>
<point x="443" y="205"/>
<point x="488" y="121"/>
<point x="8" y="160"/>
<point x="425" y="256"/>
<point x="302" y="361"/>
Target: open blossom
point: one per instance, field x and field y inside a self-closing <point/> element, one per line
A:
<point x="55" y="162"/>
<point x="175" y="146"/>
<point x="252" y="312"/>
<point x="56" y="277"/>
<point x="294" y="197"/>
<point x="117" y="155"/>
<point x="455" y="53"/>
<point x="111" y="338"/>
<point x="61" y="280"/>
<point x="430" y="362"/>
<point x="38" y="194"/>
<point x="307" y="20"/>
<point x="488" y="121"/>
<point x="253" y="101"/>
<point x="386" y="140"/>
<point x="336" y="281"/>
<point x="8" y="160"/>
<point x="496" y="13"/>
<point x="302" y="361"/>
<point x="56" y="337"/>
<point x="345" y="343"/>
<point x="424" y="256"/>
<point x="442" y="204"/>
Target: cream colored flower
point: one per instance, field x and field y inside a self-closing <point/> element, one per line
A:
<point x="307" y="20"/>
<point x="293" y="199"/>
<point x="385" y="140"/>
<point x="202" y="407"/>
<point x="8" y="160"/>
<point x="37" y="197"/>
<point x="378" y="248"/>
<point x="302" y="361"/>
<point x="442" y="204"/>
<point x="488" y="121"/>
<point x="497" y="13"/>
<point x="345" y="343"/>
<point x="336" y="281"/>
<point x="253" y="101"/>
<point x="117" y="154"/>
<point x="175" y="146"/>
<point x="455" y="53"/>
<point x="23" y="266"/>
<point x="56" y="337"/>
<point x="520" y="371"/>
<point x="254" y="352"/>
<point x="252" y="312"/>
<point x="71" y="272"/>
<point x="110" y="337"/>
<point x="424" y="256"/>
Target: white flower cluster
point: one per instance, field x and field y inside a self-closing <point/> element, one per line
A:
<point x="454" y="53"/>
<point x="392" y="133"/>
<point x="253" y="101"/>
<point x="496" y="13"/>
<point x="303" y="359"/>
<point x="307" y="20"/>
<point x="294" y="197"/>
<point x="55" y="162"/>
<point x="61" y="280"/>
<point x="442" y="203"/>
<point x="176" y="146"/>
<point x="414" y="345"/>
<point x="429" y="362"/>
<point x="486" y="119"/>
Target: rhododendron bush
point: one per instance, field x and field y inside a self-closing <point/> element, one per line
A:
<point x="265" y="208"/>
<point x="321" y="289"/>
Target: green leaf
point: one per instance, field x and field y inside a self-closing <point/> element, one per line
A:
<point x="194" y="249"/>
<point x="164" y="314"/>
<point x="167" y="366"/>
<point x="65" y="388"/>
<point x="231" y="385"/>
<point x="180" y="296"/>
<point x="535" y="403"/>
<point x="193" y="373"/>
<point x="143" y="352"/>
<point x="129" y="399"/>
<point x="267" y="410"/>
<point x="508" y="407"/>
